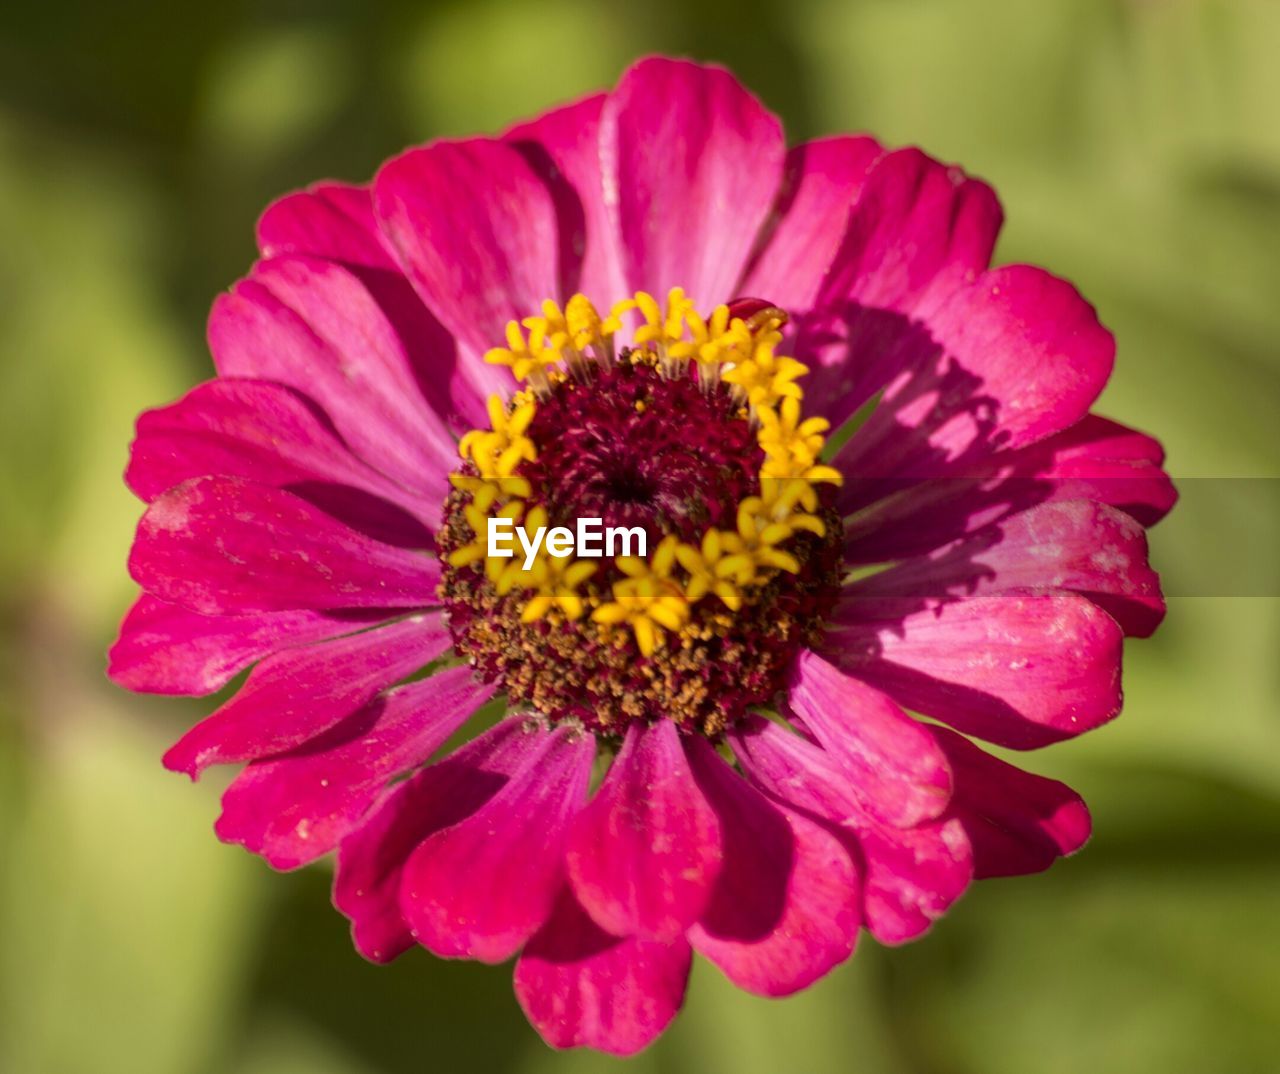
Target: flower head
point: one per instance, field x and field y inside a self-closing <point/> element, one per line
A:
<point x="871" y="492"/>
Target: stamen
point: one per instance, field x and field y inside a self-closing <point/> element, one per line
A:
<point x="781" y="543"/>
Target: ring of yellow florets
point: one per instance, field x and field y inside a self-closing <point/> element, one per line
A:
<point x="702" y="626"/>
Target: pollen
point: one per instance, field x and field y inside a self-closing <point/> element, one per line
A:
<point x="656" y="419"/>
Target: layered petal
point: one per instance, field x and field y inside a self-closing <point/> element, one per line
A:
<point x="167" y="649"/>
<point x="314" y="326"/>
<point x="1017" y="822"/>
<point x="1020" y="669"/>
<point x="477" y="233"/>
<point x="336" y="222"/>
<point x="786" y="907"/>
<point x="1018" y="356"/>
<point x="581" y="987"/>
<point x="330" y="220"/>
<point x="644" y="854"/>
<point x="253" y="429"/>
<point x="295" y="807"/>
<point x="225" y="546"/>
<point x="909" y="876"/>
<point x="296" y="694"/>
<point x="691" y="163"/>
<point x="912" y="876"/>
<point x="1095" y="459"/>
<point x="821" y="183"/>
<point x="563" y="148"/>
<point x="1099" y="459"/>
<point x="481" y="888"/>
<point x="1079" y="545"/>
<point x="371" y="860"/>
<point x="920" y="229"/>
<point x="894" y="766"/>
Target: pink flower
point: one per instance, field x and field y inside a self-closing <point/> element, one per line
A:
<point x="973" y="552"/>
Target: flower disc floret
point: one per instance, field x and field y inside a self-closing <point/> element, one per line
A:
<point x="719" y="472"/>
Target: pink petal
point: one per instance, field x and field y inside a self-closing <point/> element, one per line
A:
<point x="1020" y="669"/>
<point x="792" y="768"/>
<point x="253" y="429"/>
<point x="224" y="545"/>
<point x="371" y="860"/>
<point x="1095" y="459"/>
<point x="482" y="887"/>
<point x="823" y="180"/>
<point x="920" y="230"/>
<point x="582" y="988"/>
<point x="644" y="854"/>
<point x="691" y="162"/>
<point x="312" y="325"/>
<point x="295" y="807"/>
<point x="563" y="147"/>
<point x="786" y="908"/>
<point x="1018" y="822"/>
<point x="892" y="762"/>
<point x="910" y="876"/>
<point x="330" y="220"/>
<point x="856" y="353"/>
<point x="1070" y="544"/>
<point x="297" y="694"/>
<point x="165" y="649"/>
<point x="1098" y="459"/>
<point x="476" y="232"/>
<point x="336" y="223"/>
<point x="1020" y="356"/>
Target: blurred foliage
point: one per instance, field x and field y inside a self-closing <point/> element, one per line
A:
<point x="1136" y="146"/>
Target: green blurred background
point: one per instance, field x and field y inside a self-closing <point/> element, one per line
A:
<point x="1136" y="146"/>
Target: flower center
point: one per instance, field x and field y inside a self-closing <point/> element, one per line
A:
<point x="691" y="435"/>
<point x="636" y="449"/>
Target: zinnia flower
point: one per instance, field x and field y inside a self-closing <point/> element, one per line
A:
<point x="871" y="490"/>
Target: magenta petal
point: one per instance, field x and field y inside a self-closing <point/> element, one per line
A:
<point x="583" y="988"/>
<point x="253" y="429"/>
<point x="224" y="545"/>
<point x="786" y="907"/>
<point x="910" y="876"/>
<point x="371" y="860"/>
<point x="476" y="232"/>
<point x="314" y="326"/>
<point x="790" y="767"/>
<point x="336" y="222"/>
<point x="563" y="147"/>
<point x="644" y="854"/>
<point x="1018" y="822"/>
<point x="1099" y="459"/>
<point x="1019" y="356"/>
<point x="482" y="887"/>
<point x="165" y="649"/>
<point x="1035" y="343"/>
<point x="919" y="230"/>
<point x="330" y="220"/>
<point x="893" y="764"/>
<point x="1020" y="669"/>
<point x="823" y="180"/>
<point x="295" y="807"/>
<point x="691" y="163"/>
<point x="299" y="693"/>
<point x="1086" y="547"/>
<point x="1095" y="459"/>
